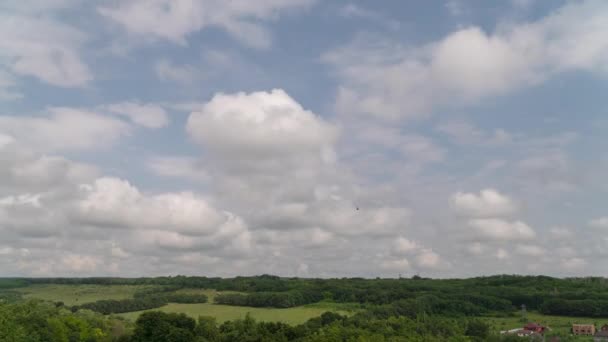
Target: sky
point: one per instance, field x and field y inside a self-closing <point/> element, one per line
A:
<point x="307" y="138"/>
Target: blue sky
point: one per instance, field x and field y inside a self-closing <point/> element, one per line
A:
<point x="223" y="138"/>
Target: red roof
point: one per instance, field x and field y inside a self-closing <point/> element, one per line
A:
<point x="533" y="326"/>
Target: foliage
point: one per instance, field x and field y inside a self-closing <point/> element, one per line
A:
<point x="43" y="321"/>
<point x="150" y="300"/>
<point x="482" y="295"/>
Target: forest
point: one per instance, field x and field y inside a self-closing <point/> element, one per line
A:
<point x="407" y="309"/>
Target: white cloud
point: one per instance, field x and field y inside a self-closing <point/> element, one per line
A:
<point x="180" y="18"/>
<point x="118" y="252"/>
<point x="428" y="259"/>
<point x="384" y="79"/>
<point x="488" y="203"/>
<point x="404" y="246"/>
<point x="64" y="129"/>
<point x="116" y="203"/>
<point x="601" y="222"/>
<point x="178" y="167"/>
<point x="259" y="124"/>
<point x="501" y="230"/>
<point x="147" y="115"/>
<point x="52" y="57"/>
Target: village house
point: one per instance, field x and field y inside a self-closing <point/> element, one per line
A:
<point x="583" y="329"/>
<point x="533" y="327"/>
<point x="529" y="330"/>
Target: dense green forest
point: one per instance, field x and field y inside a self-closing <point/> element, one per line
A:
<point x="412" y="309"/>
<point x="472" y="296"/>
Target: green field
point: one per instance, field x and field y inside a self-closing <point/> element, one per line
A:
<point x="226" y="312"/>
<point x="79" y="294"/>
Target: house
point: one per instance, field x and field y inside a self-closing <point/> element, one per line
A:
<point x="533" y="327"/>
<point x="583" y="329"/>
<point x="601" y="336"/>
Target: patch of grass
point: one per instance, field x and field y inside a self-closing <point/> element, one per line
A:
<point x="79" y="294"/>
<point x="227" y="312"/>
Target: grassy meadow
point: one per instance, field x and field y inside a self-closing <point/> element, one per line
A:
<point x="80" y="294"/>
<point x="224" y="313"/>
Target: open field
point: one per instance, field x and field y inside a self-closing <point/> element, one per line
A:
<point x="79" y="294"/>
<point x="227" y="312"/>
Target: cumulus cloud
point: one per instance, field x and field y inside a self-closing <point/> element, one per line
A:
<point x="259" y="124"/>
<point x="384" y="79"/>
<point x="116" y="203"/>
<point x="501" y="230"/>
<point x="240" y="19"/>
<point x="404" y="246"/>
<point x="264" y="147"/>
<point x="428" y="259"/>
<point x="64" y="129"/>
<point x="488" y="203"/>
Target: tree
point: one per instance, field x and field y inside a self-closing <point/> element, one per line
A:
<point x="207" y="329"/>
<point x="478" y="330"/>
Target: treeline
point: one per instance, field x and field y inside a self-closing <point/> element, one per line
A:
<point x="142" y="302"/>
<point x="171" y="327"/>
<point x="502" y="293"/>
<point x="580" y="308"/>
<point x="11" y="283"/>
<point x="268" y="283"/>
<point x="110" y="306"/>
<point x="270" y="299"/>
